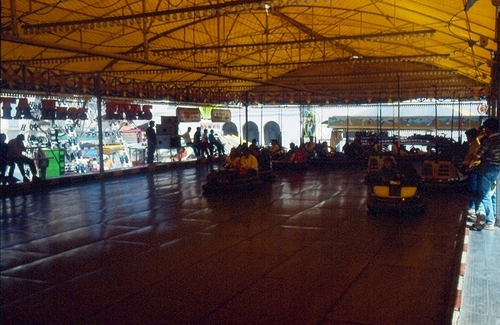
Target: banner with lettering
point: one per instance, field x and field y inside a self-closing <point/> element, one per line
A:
<point x="185" y="114"/>
<point x="221" y="115"/>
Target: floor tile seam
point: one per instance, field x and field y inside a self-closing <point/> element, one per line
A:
<point x="414" y="267"/>
<point x="3" y="249"/>
<point x="66" y="281"/>
<point x="183" y="270"/>
<point x="38" y="252"/>
<point x="38" y="261"/>
<point x="21" y="278"/>
<point x="53" y="285"/>
<point x="354" y="281"/>
<point x="288" y="226"/>
<point x="206" y="258"/>
<point x="25" y="298"/>
<point x="57" y="234"/>
<point x="31" y="295"/>
<point x="232" y="247"/>
<point x="262" y="277"/>
<point x="45" y="255"/>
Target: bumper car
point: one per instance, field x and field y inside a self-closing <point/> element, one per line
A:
<point x="442" y="174"/>
<point x="330" y="160"/>
<point x="293" y="160"/>
<point x="228" y="181"/>
<point x="395" y="197"/>
<point x="405" y="166"/>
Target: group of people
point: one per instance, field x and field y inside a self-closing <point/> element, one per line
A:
<point x="247" y="160"/>
<point x="12" y="154"/>
<point x="204" y="143"/>
<point x="310" y="149"/>
<point x="483" y="165"/>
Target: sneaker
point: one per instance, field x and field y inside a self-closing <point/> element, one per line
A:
<point x="478" y="226"/>
<point x="471" y="213"/>
<point x="489" y="227"/>
<point x="472" y="218"/>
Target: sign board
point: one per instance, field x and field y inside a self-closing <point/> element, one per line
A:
<point x="185" y="114"/>
<point x="406" y="123"/>
<point x="221" y="115"/>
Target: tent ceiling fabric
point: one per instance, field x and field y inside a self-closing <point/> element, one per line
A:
<point x="281" y="51"/>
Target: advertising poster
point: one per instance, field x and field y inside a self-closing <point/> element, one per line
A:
<point x="406" y="123"/>
<point x="188" y="114"/>
<point x="309" y="129"/>
<point x="221" y="115"/>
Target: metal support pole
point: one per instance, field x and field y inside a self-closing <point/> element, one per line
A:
<point x="399" y="113"/>
<point x="13" y="17"/>
<point x="436" y="117"/>
<point x="495" y="70"/>
<point x="100" y="132"/>
<point x="246" y="117"/>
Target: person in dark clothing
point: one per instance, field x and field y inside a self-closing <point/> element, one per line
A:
<point x="204" y="145"/>
<point x="152" y="141"/>
<point x="488" y="172"/>
<point x="388" y="172"/>
<point x="16" y="156"/>
<point x="197" y="142"/>
<point x="215" y="143"/>
<point x="4" y="161"/>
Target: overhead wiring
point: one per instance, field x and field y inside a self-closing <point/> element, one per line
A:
<point x="100" y="7"/>
<point x="50" y="8"/>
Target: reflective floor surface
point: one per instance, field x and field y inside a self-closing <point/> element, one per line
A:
<point x="152" y="249"/>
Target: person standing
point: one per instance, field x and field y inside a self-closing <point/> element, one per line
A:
<point x="215" y="142"/>
<point x="16" y="156"/>
<point x="4" y="161"/>
<point x="187" y="137"/>
<point x="197" y="142"/>
<point x="488" y="172"/>
<point x="152" y="141"/>
<point x="189" y="143"/>
<point x="204" y="145"/>
<point x="42" y="162"/>
<point x="470" y="160"/>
